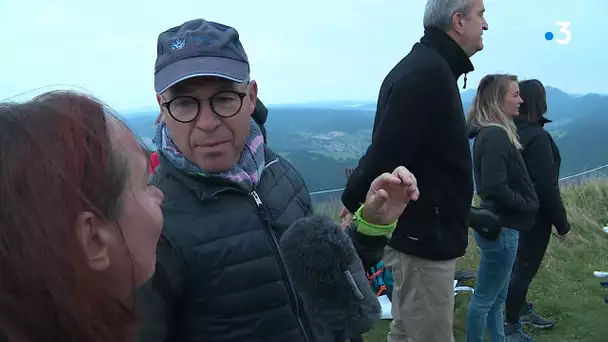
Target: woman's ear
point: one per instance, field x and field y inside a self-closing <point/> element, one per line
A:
<point x="94" y="237"/>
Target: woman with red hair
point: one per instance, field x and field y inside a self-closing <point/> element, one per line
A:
<point x="79" y="223"/>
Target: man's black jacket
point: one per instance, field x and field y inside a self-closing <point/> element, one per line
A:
<point x="219" y="274"/>
<point x="420" y="124"/>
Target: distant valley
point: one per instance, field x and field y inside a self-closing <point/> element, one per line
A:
<point x="323" y="138"/>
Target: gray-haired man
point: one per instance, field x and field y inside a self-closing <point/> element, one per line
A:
<point x="420" y="124"/>
<point x="228" y="197"/>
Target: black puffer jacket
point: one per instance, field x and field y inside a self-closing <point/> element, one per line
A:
<point x="219" y="274"/>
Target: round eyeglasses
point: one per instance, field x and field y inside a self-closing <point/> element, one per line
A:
<point x="186" y="108"/>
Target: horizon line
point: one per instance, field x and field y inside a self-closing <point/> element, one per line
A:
<point x="363" y="101"/>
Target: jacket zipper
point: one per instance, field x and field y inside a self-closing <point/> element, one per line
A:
<point x="265" y="215"/>
<point x="263" y="211"/>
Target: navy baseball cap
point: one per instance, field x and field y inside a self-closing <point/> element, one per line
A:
<point x="199" y="48"/>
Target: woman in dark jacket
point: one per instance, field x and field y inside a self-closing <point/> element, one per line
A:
<point x="542" y="159"/>
<point x="505" y="188"/>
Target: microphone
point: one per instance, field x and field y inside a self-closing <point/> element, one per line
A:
<point x="329" y="277"/>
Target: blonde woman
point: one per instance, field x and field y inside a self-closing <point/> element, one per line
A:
<point x="505" y="188"/>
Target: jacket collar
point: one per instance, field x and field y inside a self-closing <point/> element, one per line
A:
<point x="454" y="55"/>
<point x="544" y="121"/>
<point x="521" y="123"/>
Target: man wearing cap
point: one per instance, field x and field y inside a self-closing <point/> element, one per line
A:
<point x="228" y="199"/>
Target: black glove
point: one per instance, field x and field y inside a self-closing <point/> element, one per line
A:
<point x="370" y="249"/>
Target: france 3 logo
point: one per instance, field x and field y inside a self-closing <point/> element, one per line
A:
<point x="564" y="33"/>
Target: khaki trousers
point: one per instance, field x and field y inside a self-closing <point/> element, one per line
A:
<point x="422" y="298"/>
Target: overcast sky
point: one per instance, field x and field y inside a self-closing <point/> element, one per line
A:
<point x="299" y="51"/>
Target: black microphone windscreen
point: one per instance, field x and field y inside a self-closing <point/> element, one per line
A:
<point x="330" y="279"/>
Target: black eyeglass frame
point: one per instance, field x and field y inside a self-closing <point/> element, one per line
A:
<point x="209" y="99"/>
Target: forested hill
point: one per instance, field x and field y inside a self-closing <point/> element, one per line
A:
<point x="323" y="138"/>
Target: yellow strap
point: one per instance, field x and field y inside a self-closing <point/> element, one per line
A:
<point x="371" y="229"/>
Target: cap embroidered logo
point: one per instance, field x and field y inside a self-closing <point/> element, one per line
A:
<point x="178" y="44"/>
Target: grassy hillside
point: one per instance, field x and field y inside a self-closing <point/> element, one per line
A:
<point x="565" y="288"/>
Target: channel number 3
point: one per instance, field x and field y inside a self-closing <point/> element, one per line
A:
<point x="565" y="30"/>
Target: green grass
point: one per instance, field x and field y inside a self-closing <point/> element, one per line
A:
<point x="564" y="289"/>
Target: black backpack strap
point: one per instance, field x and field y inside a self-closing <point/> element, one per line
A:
<point x="260" y="114"/>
